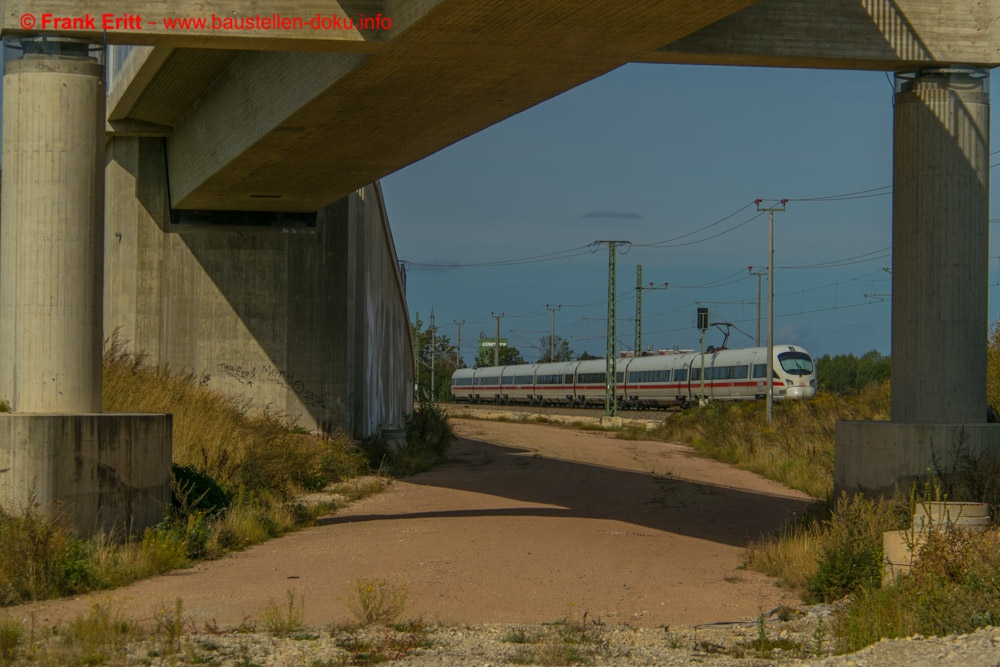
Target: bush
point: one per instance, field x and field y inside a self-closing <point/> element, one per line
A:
<point x="428" y="437"/>
<point x="193" y="491"/>
<point x="850" y="544"/>
<point x="428" y="433"/>
<point x="377" y="601"/>
<point x="952" y="588"/>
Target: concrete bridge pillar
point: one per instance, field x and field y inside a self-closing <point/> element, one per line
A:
<point x="939" y="287"/>
<point x="105" y="471"/>
<point x="51" y="238"/>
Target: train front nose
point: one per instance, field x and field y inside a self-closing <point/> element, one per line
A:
<point x="803" y="390"/>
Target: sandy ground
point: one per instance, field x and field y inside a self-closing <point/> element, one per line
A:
<point x="527" y="523"/>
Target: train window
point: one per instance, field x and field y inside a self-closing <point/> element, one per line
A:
<point x="680" y="375"/>
<point x="620" y="377"/>
<point x="568" y="379"/>
<point x="796" y="363"/>
<point x="696" y="374"/>
<point x="760" y="370"/>
<point x="740" y="372"/>
<point x="591" y="378"/>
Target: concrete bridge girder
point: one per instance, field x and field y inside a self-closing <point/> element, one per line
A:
<point x="375" y="103"/>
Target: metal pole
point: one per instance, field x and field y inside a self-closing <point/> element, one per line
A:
<point x="610" y="377"/>
<point x="701" y="397"/>
<point x="552" y="335"/>
<point x="770" y="317"/>
<point x="757" y="343"/>
<point x="496" y="342"/>
<point x="610" y="385"/>
<point x="433" y="350"/>
<point x="416" y="356"/>
<point x="770" y="304"/>
<point x="458" y="346"/>
<point x="758" y="274"/>
<point x="638" y="311"/>
<point x="638" y="307"/>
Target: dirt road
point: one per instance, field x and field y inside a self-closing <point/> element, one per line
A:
<point x="526" y="524"/>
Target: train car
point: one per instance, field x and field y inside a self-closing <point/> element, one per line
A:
<point x="517" y="383"/>
<point x="591" y="388"/>
<point x="657" y="382"/>
<point x="645" y="382"/>
<point x="461" y="385"/>
<point x="555" y="383"/>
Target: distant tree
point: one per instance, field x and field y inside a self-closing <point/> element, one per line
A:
<point x="584" y="356"/>
<point x="444" y="359"/>
<point x="993" y="366"/>
<point x="847" y="373"/>
<point x="508" y="357"/>
<point x="563" y="353"/>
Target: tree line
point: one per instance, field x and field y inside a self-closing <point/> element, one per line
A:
<point x="434" y="350"/>
<point x="846" y="373"/>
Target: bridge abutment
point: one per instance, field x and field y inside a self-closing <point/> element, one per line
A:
<point x="106" y="472"/>
<point x="939" y="288"/>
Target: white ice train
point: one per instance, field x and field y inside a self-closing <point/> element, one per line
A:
<point x="643" y="382"/>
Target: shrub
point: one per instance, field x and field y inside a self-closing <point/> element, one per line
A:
<point x="11" y="635"/>
<point x="952" y="588"/>
<point x="428" y="437"/>
<point x="193" y="491"/>
<point x="428" y="433"/>
<point x="377" y="601"/>
<point x="850" y="544"/>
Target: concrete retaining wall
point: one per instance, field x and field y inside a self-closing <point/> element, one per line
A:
<point x="875" y="457"/>
<point x="103" y="472"/>
<point x="309" y="321"/>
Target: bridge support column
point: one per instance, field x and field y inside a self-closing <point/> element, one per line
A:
<point x="106" y="471"/>
<point x="940" y="239"/>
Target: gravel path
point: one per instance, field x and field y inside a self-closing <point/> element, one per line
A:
<point x="637" y="545"/>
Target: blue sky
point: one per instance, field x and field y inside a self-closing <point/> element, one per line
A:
<point x="648" y="153"/>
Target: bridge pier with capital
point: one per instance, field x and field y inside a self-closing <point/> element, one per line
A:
<point x="940" y="245"/>
<point x="105" y="472"/>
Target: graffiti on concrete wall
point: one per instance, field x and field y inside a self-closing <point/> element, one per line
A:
<point x="274" y="375"/>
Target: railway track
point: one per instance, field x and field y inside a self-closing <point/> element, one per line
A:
<point x="648" y="418"/>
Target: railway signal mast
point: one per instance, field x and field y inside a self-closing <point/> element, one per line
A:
<point x="703" y="327"/>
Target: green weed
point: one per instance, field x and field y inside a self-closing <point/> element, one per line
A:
<point x="377" y="601"/>
<point x="11" y="636"/>
<point x="287" y="620"/>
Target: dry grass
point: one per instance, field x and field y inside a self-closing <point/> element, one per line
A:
<point x="257" y="464"/>
<point x="217" y="436"/>
<point x="797" y="449"/>
<point x="792" y="557"/>
<point x="377" y="601"/>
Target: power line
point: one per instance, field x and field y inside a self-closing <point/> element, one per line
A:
<point x="833" y="263"/>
